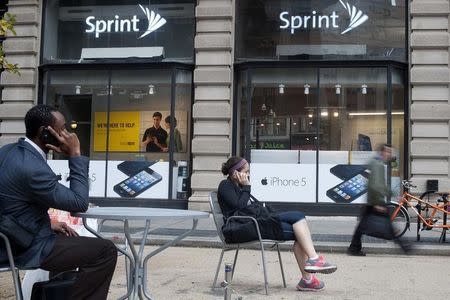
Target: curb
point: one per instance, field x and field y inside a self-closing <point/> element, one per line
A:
<point x="388" y="248"/>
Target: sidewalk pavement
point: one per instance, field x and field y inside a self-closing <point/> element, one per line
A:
<point x="187" y="272"/>
<point x="330" y="234"/>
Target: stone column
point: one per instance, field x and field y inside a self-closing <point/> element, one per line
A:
<point x="212" y="111"/>
<point x="20" y="92"/>
<point x="430" y="93"/>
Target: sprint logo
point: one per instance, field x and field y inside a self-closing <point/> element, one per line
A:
<point x="357" y="17"/>
<point x="155" y="21"/>
<point x="317" y="21"/>
<point x="117" y="24"/>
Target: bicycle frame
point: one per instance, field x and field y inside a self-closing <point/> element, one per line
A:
<point x="407" y="198"/>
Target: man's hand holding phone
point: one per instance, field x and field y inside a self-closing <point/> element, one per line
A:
<point x="68" y="142"/>
<point x="241" y="178"/>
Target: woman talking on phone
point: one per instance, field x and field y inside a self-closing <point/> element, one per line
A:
<point x="235" y="199"/>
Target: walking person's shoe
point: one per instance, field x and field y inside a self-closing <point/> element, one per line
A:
<point x="354" y="252"/>
<point x="319" y="265"/>
<point x="313" y="285"/>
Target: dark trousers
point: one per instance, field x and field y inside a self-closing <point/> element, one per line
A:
<point x="96" y="259"/>
<point x="356" y="244"/>
<point x="287" y="219"/>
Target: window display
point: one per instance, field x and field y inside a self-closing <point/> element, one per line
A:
<point x="119" y="113"/>
<point x="312" y="131"/>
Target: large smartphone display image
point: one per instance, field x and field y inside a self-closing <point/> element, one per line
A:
<point x="131" y="167"/>
<point x="138" y="183"/>
<point x="350" y="189"/>
<point x="345" y="172"/>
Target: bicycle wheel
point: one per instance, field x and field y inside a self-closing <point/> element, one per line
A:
<point x="400" y="222"/>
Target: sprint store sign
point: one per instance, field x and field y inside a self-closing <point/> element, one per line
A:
<point x="283" y="182"/>
<point x="292" y="22"/>
<point x="118" y="24"/>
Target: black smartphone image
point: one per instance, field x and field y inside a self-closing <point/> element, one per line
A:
<point x="48" y="138"/>
<point x="134" y="166"/>
<point x="137" y="183"/>
<point x="345" y="172"/>
<point x="350" y="189"/>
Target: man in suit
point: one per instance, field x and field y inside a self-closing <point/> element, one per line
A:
<point x="28" y="188"/>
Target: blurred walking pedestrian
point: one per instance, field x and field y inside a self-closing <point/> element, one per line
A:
<point x="378" y="194"/>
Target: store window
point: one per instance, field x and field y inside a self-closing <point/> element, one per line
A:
<point x="91" y="30"/>
<point x="321" y="30"/>
<point x="308" y="131"/>
<point x="130" y="124"/>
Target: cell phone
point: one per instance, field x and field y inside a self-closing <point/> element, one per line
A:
<point x="48" y="138"/>
<point x="138" y="183"/>
<point x="349" y="190"/>
<point x="345" y="172"/>
<point x="135" y="166"/>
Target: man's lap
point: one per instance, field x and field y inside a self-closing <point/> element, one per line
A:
<point x="69" y="253"/>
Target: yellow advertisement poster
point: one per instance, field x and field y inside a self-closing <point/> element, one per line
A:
<point x="123" y="131"/>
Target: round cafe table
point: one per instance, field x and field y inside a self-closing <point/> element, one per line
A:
<point x="137" y="277"/>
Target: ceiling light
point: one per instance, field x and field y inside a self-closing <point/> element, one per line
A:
<point x="335" y="114"/>
<point x="338" y="89"/>
<point x="310" y="115"/>
<point x="324" y="113"/>
<point x="310" y="123"/>
<point x="307" y="86"/>
<point x="278" y="124"/>
<point x="295" y="123"/>
<point x="151" y="89"/>
<point x="78" y="89"/>
<point x="281" y="88"/>
<point x="364" y="89"/>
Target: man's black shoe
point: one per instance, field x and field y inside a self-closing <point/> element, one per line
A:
<point x="356" y="252"/>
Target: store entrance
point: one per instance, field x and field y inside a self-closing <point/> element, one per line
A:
<point x="77" y="109"/>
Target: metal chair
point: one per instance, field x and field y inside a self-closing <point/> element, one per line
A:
<point x="219" y="221"/>
<point x="11" y="267"/>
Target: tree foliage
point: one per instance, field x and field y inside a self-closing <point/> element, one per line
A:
<point x="7" y="27"/>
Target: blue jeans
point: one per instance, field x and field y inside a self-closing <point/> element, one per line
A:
<point x="288" y="219"/>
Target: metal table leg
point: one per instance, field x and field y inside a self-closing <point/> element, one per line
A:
<point x="158" y="250"/>
<point x="124" y="252"/>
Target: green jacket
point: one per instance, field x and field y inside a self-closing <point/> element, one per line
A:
<point x="377" y="189"/>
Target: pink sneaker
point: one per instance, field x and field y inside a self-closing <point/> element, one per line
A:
<point x="319" y="265"/>
<point x="314" y="286"/>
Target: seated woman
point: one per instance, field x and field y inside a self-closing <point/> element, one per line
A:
<point x="235" y="199"/>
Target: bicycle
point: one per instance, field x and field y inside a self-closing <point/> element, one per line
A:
<point x="400" y="218"/>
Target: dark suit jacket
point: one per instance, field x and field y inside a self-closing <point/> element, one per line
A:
<point x="28" y="188"/>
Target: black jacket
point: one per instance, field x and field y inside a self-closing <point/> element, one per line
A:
<point x="237" y="201"/>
